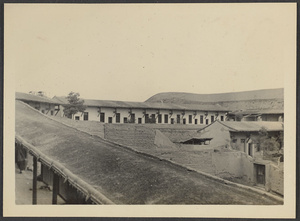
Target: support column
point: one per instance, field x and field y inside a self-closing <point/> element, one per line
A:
<point x="34" y="182"/>
<point x="55" y="188"/>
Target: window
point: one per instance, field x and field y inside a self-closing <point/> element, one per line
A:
<point x="52" y="112"/>
<point x="110" y="120"/>
<point x="184" y="121"/>
<point x="147" y="118"/>
<point x="102" y="117"/>
<point x="166" y="118"/>
<point x="212" y="119"/>
<point x="196" y="121"/>
<point x="125" y="120"/>
<point x="153" y="120"/>
<point x="118" y="117"/>
<point x="178" y="118"/>
<point x="201" y="119"/>
<point x="206" y="121"/>
<point x="250" y="149"/>
<point x="132" y="118"/>
<point x="86" y="116"/>
<point x="172" y="120"/>
<point x="222" y="118"/>
<point x="159" y="118"/>
<point x="234" y="140"/>
<point x="190" y="119"/>
<point x="242" y="140"/>
<point x="77" y="118"/>
<point x="139" y="120"/>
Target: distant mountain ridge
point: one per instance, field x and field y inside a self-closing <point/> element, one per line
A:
<point x="258" y="99"/>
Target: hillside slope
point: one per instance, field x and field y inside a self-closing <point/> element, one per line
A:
<point x="258" y="99"/>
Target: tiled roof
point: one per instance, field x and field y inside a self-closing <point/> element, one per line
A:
<point x="164" y="106"/>
<point x="219" y="131"/>
<point x="31" y="97"/>
<point x="62" y="100"/>
<point x="257" y="112"/>
<point x="252" y="125"/>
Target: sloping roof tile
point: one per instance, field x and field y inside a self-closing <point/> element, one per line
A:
<point x="30" y="97"/>
<point x="252" y="125"/>
<point x="261" y="111"/>
<point x="129" y="104"/>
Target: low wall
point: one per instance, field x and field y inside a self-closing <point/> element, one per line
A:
<point x="276" y="177"/>
<point x="130" y="135"/>
<point x="233" y="166"/>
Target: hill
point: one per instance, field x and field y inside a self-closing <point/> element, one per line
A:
<point x="258" y="99"/>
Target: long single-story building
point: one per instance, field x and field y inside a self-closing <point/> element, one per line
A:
<point x="107" y="111"/>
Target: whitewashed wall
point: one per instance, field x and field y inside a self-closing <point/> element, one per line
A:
<point x="93" y="115"/>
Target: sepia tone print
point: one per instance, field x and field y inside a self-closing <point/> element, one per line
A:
<point x="150" y="110"/>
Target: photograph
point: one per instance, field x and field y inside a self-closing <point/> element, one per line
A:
<point x="150" y="110"/>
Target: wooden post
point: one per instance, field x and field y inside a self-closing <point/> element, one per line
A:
<point x="34" y="182"/>
<point x="55" y="188"/>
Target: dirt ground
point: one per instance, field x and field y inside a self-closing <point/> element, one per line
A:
<point x="24" y="190"/>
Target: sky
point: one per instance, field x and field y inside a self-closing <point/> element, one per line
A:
<point x="132" y="51"/>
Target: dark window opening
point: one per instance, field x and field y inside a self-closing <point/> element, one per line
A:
<point x="178" y="118"/>
<point x="86" y="116"/>
<point x="147" y="120"/>
<point x="166" y="118"/>
<point x="212" y="119"/>
<point x="102" y="117"/>
<point x="172" y="120"/>
<point x="153" y="120"/>
<point x="159" y="118"/>
<point x="250" y="149"/>
<point x="139" y="120"/>
<point x="190" y="119"/>
<point x="132" y="118"/>
<point x="77" y="118"/>
<point x="222" y="118"/>
<point x="201" y="119"/>
<point x="52" y="112"/>
<point x="242" y="140"/>
<point x="184" y="121"/>
<point x="125" y="120"/>
<point x="118" y="117"/>
<point x="234" y="140"/>
<point x="206" y="121"/>
<point x="110" y="120"/>
<point x="196" y="121"/>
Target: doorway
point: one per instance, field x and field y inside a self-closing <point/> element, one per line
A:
<point x="260" y="174"/>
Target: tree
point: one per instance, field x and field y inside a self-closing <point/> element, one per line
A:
<point x="75" y="105"/>
<point x="267" y="144"/>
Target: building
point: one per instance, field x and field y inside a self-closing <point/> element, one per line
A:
<point x="235" y="144"/>
<point x="240" y="136"/>
<point x="256" y="115"/>
<point x="43" y="104"/>
<point x="142" y="113"/>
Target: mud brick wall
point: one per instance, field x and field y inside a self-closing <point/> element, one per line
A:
<point x="276" y="178"/>
<point x="130" y="135"/>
